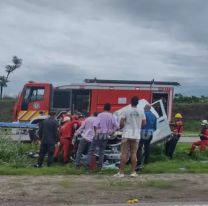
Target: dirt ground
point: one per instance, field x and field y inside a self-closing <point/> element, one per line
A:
<point x="93" y="189"/>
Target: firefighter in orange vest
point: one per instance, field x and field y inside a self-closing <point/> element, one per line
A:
<point x="203" y="138"/>
<point x="66" y="133"/>
<point x="177" y="129"/>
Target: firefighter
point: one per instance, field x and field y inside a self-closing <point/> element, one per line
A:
<point x="65" y="114"/>
<point x="203" y="142"/>
<point x="177" y="129"/>
<point x="66" y="133"/>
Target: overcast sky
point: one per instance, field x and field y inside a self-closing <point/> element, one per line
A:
<point x="65" y="41"/>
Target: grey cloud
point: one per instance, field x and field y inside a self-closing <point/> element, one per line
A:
<point x="115" y="39"/>
<point x="59" y="73"/>
<point x="184" y="20"/>
<point x="191" y="85"/>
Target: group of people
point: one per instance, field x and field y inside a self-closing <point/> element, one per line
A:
<point x="137" y="132"/>
<point x="94" y="130"/>
<point x="137" y="125"/>
<point x="177" y="129"/>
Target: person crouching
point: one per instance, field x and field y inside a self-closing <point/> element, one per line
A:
<point x="203" y="142"/>
<point x="87" y="132"/>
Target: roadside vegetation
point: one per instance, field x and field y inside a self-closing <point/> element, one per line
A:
<point x="193" y="109"/>
<point x="179" y="98"/>
<point x="6" y="108"/>
<point x="191" y="127"/>
<point x="15" y="160"/>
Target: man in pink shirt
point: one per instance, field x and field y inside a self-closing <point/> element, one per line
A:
<point x="87" y="132"/>
<point x="104" y="125"/>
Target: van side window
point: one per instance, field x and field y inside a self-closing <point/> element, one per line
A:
<point x="158" y="109"/>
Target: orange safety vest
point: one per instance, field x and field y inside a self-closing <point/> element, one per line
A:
<point x="178" y="130"/>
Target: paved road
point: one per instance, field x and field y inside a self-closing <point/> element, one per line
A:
<point x="188" y="139"/>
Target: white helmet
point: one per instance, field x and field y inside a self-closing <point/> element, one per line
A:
<point x="66" y="119"/>
<point x="204" y="122"/>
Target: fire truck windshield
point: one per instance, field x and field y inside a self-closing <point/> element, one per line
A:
<point x="32" y="94"/>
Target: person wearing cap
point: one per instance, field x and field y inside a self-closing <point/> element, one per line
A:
<point x="48" y="133"/>
<point x="177" y="129"/>
<point x="66" y="133"/>
<point x="203" y="142"/>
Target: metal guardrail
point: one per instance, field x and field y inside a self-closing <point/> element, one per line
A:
<point x="18" y="131"/>
<point x="17" y="125"/>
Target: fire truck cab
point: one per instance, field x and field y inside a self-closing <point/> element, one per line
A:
<point x="89" y="97"/>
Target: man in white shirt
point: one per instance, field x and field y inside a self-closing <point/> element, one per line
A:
<point x="131" y="121"/>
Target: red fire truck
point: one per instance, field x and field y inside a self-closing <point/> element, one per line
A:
<point x="89" y="96"/>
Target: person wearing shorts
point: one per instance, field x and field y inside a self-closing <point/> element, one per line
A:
<point x="132" y="120"/>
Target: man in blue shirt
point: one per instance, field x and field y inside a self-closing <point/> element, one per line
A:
<point x="146" y="137"/>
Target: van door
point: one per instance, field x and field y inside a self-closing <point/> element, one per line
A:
<point x="163" y="128"/>
<point x="163" y="96"/>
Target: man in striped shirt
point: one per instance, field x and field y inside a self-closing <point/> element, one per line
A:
<point x="104" y="125"/>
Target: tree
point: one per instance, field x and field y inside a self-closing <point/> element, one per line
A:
<point x="9" y="69"/>
<point x="178" y="96"/>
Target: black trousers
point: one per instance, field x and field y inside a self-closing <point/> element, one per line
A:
<point x="171" y="145"/>
<point x="146" y="144"/>
<point x="46" y="149"/>
<point x="32" y="135"/>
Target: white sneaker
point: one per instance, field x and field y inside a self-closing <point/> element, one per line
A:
<point x="134" y="174"/>
<point x="119" y="175"/>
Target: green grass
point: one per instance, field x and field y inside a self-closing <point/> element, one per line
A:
<point x="6" y="169"/>
<point x="14" y="161"/>
<point x="192" y="126"/>
<point x="161" y="184"/>
<point x="181" y="162"/>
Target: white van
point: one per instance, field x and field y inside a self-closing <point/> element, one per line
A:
<point x="162" y="128"/>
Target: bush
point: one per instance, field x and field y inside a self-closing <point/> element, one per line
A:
<point x="192" y="126"/>
<point x="13" y="153"/>
<point x="157" y="153"/>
